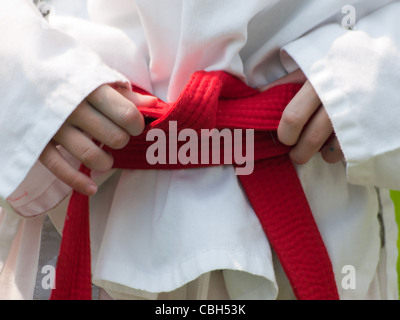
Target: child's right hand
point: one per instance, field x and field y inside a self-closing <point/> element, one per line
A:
<point x="108" y="116"/>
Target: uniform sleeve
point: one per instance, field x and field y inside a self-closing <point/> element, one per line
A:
<point x="356" y="74"/>
<point x="45" y="74"/>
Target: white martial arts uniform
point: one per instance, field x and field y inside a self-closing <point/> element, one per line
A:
<point x="157" y="231"/>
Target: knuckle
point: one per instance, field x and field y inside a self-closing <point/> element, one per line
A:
<point x="292" y="119"/>
<point x="53" y="164"/>
<point x="90" y="156"/>
<point x="118" y="139"/>
<point x="49" y="162"/>
<point x="130" y="115"/>
<point x="132" y="120"/>
<point x="74" y="180"/>
<point x="298" y="158"/>
<point x="314" y="139"/>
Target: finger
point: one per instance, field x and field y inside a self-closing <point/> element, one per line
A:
<point x="297" y="113"/>
<point x="52" y="159"/>
<point x="312" y="138"/>
<point x="332" y="152"/>
<point x="138" y="99"/>
<point x="83" y="148"/>
<point x="117" y="108"/>
<point x="98" y="126"/>
<point x="293" y="77"/>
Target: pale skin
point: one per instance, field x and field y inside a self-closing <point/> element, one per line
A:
<point x="110" y="116"/>
<point x="305" y="124"/>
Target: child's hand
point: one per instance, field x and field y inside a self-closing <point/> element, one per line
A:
<point x="106" y="115"/>
<point x="305" y="125"/>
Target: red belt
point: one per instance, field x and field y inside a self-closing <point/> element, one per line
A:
<point x="218" y="100"/>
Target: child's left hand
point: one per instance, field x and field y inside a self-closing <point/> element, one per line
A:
<point x="305" y="124"/>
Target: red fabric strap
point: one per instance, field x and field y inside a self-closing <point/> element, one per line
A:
<point x="218" y="100"/>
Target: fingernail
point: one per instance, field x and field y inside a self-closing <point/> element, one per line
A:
<point x="91" y="189"/>
<point x="149" y="101"/>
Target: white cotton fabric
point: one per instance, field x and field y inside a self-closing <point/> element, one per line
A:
<point x="156" y="231"/>
<point x="334" y="67"/>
